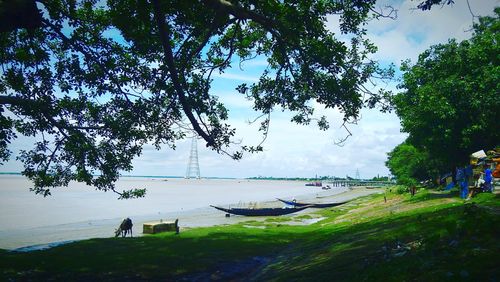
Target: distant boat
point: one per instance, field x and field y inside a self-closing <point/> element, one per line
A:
<point x="372" y="187"/>
<point x="296" y="204"/>
<point x="315" y="184"/>
<point x="261" y="212"/>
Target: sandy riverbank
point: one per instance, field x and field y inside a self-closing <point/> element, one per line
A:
<point x="80" y="213"/>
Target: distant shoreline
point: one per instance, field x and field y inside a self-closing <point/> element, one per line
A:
<point x="305" y="179"/>
<point x="142" y="176"/>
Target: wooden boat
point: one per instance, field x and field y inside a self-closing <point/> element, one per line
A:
<point x="261" y="212"/>
<point x="296" y="204"/>
<point x="315" y="184"/>
<point x="372" y="187"/>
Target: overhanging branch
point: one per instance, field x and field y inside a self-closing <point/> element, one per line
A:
<point x="164" y="33"/>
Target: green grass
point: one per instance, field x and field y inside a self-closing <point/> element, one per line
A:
<point x="440" y="237"/>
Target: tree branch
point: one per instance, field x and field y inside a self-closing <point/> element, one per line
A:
<point x="240" y="13"/>
<point x="341" y="142"/>
<point x="169" y="61"/>
<point x="205" y="40"/>
<point x="44" y="108"/>
<point x="391" y="14"/>
<point x="18" y="101"/>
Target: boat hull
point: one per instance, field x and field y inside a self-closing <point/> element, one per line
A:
<point x="262" y="212"/>
<point x="326" y="205"/>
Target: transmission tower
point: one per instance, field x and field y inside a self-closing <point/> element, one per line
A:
<point x="357" y="175"/>
<point x="193" y="168"/>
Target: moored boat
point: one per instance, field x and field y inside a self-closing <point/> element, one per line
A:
<point x="261" y="212"/>
<point x="315" y="184"/>
<point x="319" y="205"/>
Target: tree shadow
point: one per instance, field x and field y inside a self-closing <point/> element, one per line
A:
<point x="433" y="195"/>
<point x="369" y="251"/>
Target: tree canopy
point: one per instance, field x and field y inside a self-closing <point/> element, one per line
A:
<point x="410" y="165"/>
<point x="450" y="104"/>
<point x="94" y="81"/>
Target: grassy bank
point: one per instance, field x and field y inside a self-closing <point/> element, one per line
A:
<point x="432" y="236"/>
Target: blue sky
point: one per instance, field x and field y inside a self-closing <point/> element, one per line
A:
<point x="304" y="151"/>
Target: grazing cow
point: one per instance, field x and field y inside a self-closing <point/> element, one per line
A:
<point x="125" y="227"/>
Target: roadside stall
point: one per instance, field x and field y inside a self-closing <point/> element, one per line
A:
<point x="485" y="168"/>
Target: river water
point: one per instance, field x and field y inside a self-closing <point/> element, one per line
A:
<point x="79" y="212"/>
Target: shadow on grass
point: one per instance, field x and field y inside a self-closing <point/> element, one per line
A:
<point x="427" y="195"/>
<point x="150" y="257"/>
<point x="445" y="244"/>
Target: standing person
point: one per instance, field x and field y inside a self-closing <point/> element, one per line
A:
<point x="462" y="180"/>
<point x="487" y="179"/>
<point x="413" y="190"/>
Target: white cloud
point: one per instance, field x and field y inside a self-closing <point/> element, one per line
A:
<point x="293" y="150"/>
<point x="234" y="76"/>
<point x="415" y="31"/>
<point x="258" y="62"/>
<point x="233" y="99"/>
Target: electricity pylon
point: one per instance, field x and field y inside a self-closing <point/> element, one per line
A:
<point x="193" y="168"/>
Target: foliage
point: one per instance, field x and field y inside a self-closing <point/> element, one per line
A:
<point x="427" y="4"/>
<point x="409" y="164"/>
<point x="449" y="104"/>
<point x="96" y="81"/>
<point x="380" y="178"/>
<point x="403" y="189"/>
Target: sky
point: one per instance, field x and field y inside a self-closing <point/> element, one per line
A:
<point x="292" y="150"/>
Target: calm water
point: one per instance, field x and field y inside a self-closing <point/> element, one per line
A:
<point x="79" y="212"/>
